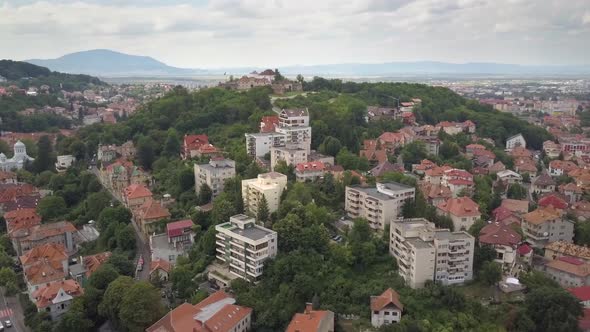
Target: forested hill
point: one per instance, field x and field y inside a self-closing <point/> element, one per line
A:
<point x="25" y="74"/>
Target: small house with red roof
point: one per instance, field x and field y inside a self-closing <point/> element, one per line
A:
<point x="386" y="308"/>
<point x="135" y="195"/>
<point x="582" y="294"/>
<point x="457" y="180"/>
<point x="568" y="271"/>
<point x="543" y="184"/>
<point x="191" y="145"/>
<point x="312" y="321"/>
<point x="269" y="123"/>
<point x="56" y="297"/>
<point x="503" y="238"/>
<point x="309" y="171"/>
<point x="160" y="268"/>
<point x="463" y="211"/>
<point x="554" y="200"/>
<point x="503" y="215"/>
<point x="149" y="213"/>
<point x="175" y="242"/>
<point x="373" y="151"/>
<point x="571" y="191"/>
<point x="561" y="167"/>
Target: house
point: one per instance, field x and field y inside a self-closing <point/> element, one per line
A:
<point x="463" y="211"/>
<point x="546" y="225"/>
<point x="64" y="162"/>
<point x="309" y="171"/>
<point x="542" y="184"/>
<point x="378" y="205"/>
<point x="554" y="250"/>
<point x="175" y="242"/>
<point x="386" y="308"/>
<point x="504" y="239"/>
<point x="268" y="124"/>
<point x="520" y="152"/>
<point x="582" y="293"/>
<point x="561" y="167"/>
<point x="376" y="113"/>
<point x="457" y="180"/>
<point x="256" y="244"/>
<point x="525" y="165"/>
<point x="18" y="160"/>
<point x="517" y="206"/>
<point x="431" y="143"/>
<point x="509" y="177"/>
<point x="373" y="151"/>
<point x="515" y="141"/>
<point x="191" y="145"/>
<point x="551" y="149"/>
<point x="567" y="271"/>
<point x="312" y="321"/>
<point x="497" y="167"/>
<point x="56" y="297"/>
<point x="505" y="216"/>
<point x="386" y="167"/>
<point x="8" y="177"/>
<point x="44" y="264"/>
<point x="214" y="174"/>
<point x="425" y="253"/>
<point x="571" y="191"/>
<point x="61" y="232"/>
<point x="270" y="185"/>
<point x="435" y="193"/>
<point x="216" y="313"/>
<point x="21" y="218"/>
<point x="290" y="154"/>
<point x="284" y="86"/>
<point x="424" y="165"/>
<point x="391" y="141"/>
<point x="148" y="214"/>
<point x="135" y="195"/>
<point x="553" y="199"/>
<point x="87" y="265"/>
<point x="160" y="269"/>
<point x="471" y="148"/>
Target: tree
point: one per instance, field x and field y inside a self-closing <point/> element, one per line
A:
<point x="110" y="305"/>
<point x="490" y="273"/>
<point x="172" y="144"/>
<point x="74" y="320"/>
<point x="516" y="191"/>
<point x="122" y="264"/>
<point x="205" y="194"/>
<point x="330" y="146"/>
<point x="146" y="153"/>
<point x="140" y="307"/>
<point x="300" y="78"/>
<point x="263" y="213"/>
<point x="414" y="152"/>
<point x="125" y="237"/>
<point x="52" y="207"/>
<point x="110" y="215"/>
<point x="45" y="159"/>
<point x="102" y="277"/>
<point x="553" y="309"/>
<point x="482" y="255"/>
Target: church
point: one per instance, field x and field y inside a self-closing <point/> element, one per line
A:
<point x="18" y="160"/>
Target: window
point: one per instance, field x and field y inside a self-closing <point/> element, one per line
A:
<point x="376" y="312"/>
<point x="386" y="313"/>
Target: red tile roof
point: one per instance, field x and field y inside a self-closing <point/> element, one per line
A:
<point x="461" y="207"/>
<point x="310" y="166"/>
<point x="49" y="252"/>
<point x="44" y="296"/>
<point x="499" y="234"/>
<point x="582" y="293"/>
<point x="388" y="297"/>
<point x="310" y="320"/>
<point x="524" y="249"/>
<point x="269" y="123"/>
<point x="93" y="262"/>
<point x="554" y="201"/>
<point x="160" y="264"/>
<point x="21" y="219"/>
<point x="153" y="209"/>
<point x="136" y="191"/>
<point x="176" y="228"/>
<point x="194" y="142"/>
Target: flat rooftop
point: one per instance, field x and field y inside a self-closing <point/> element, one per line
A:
<point x="418" y="243"/>
<point x="373" y="192"/>
<point x="394" y="185"/>
<point x="445" y="234"/>
<point x="254" y="233"/>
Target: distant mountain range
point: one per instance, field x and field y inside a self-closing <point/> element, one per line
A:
<point x="107" y="63"/>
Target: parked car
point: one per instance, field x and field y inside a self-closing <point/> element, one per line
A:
<point x="8" y="323"/>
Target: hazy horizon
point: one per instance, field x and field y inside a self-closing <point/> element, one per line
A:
<point x="250" y="33"/>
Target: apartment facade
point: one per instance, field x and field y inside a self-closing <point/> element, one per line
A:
<point x="545" y="225"/>
<point x="259" y="144"/>
<point x="245" y="246"/>
<point x="378" y="205"/>
<point x="290" y="154"/>
<point x="214" y="174"/>
<point x="425" y="253"/>
<point x="463" y="211"/>
<point x="294" y="123"/>
<point x="270" y="185"/>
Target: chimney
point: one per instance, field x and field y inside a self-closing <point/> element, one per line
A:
<point x="308" y="307"/>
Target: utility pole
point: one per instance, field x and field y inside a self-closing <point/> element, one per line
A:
<point x="392" y="97"/>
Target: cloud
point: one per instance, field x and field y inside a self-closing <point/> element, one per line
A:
<point x="202" y="33"/>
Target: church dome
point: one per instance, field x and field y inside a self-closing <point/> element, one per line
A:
<point x="19" y="144"/>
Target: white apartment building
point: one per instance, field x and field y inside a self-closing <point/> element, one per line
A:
<point x="271" y="185"/>
<point x="425" y="253"/>
<point x="214" y="174"/>
<point x="378" y="205"/>
<point x="259" y="144"/>
<point x="514" y="141"/>
<point x="244" y="246"/>
<point x="294" y="123"/>
<point x="545" y="225"/>
<point x="290" y="154"/>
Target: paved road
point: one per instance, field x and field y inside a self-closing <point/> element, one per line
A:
<point x="10" y="309"/>
<point x="141" y="243"/>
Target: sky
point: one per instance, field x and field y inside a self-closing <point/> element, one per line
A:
<point x="269" y="33"/>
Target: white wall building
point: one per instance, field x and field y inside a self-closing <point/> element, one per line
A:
<point x="18" y="160"/>
<point x="271" y="185"/>
<point x="214" y="174"/>
<point x="514" y="141"/>
<point x="259" y="144"/>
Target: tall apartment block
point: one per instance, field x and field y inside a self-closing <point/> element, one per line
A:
<point x="244" y="246"/>
<point x="270" y="185"/>
<point x="214" y="174"/>
<point x="378" y="205"/>
<point x="425" y="253"/>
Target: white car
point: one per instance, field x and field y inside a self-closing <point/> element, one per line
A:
<point x="8" y="323"/>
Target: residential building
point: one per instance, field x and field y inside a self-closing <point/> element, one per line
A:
<point x="571" y="191"/>
<point x="561" y="167"/>
<point x="551" y="149"/>
<point x="290" y="154"/>
<point x="270" y="185"/>
<point x="376" y="113"/>
<point x="312" y="321"/>
<point x="554" y="250"/>
<point x="504" y="239"/>
<point x="62" y="232"/>
<point x="542" y="184"/>
<point x="191" y="145"/>
<point x="378" y="205"/>
<point x="268" y="124"/>
<point x="148" y="214"/>
<point x="294" y="123"/>
<point x="373" y="151"/>
<point x="57" y="297"/>
<point x="160" y="269"/>
<point x="386" y="167"/>
<point x="214" y="174"/>
<point x="546" y="225"/>
<point x="425" y="253"/>
<point x="582" y="293"/>
<point x="463" y="211"/>
<point x="44" y="264"/>
<point x="18" y="160"/>
<point x="259" y="144"/>
<point x="64" y="162"/>
<point x="309" y="171"/>
<point x="244" y="246"/>
<point x="509" y="177"/>
<point x="135" y="195"/>
<point x="87" y="265"/>
<point x="386" y="308"/>
<point x="435" y="194"/>
<point x="8" y="177"/>
<point x="216" y="313"/>
<point x="514" y="141"/>
<point x="458" y="181"/>
<point x="175" y="242"/>
<point x="431" y="143"/>
<point x="567" y="271"/>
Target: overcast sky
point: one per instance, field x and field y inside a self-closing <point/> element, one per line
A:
<point x="222" y="33"/>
